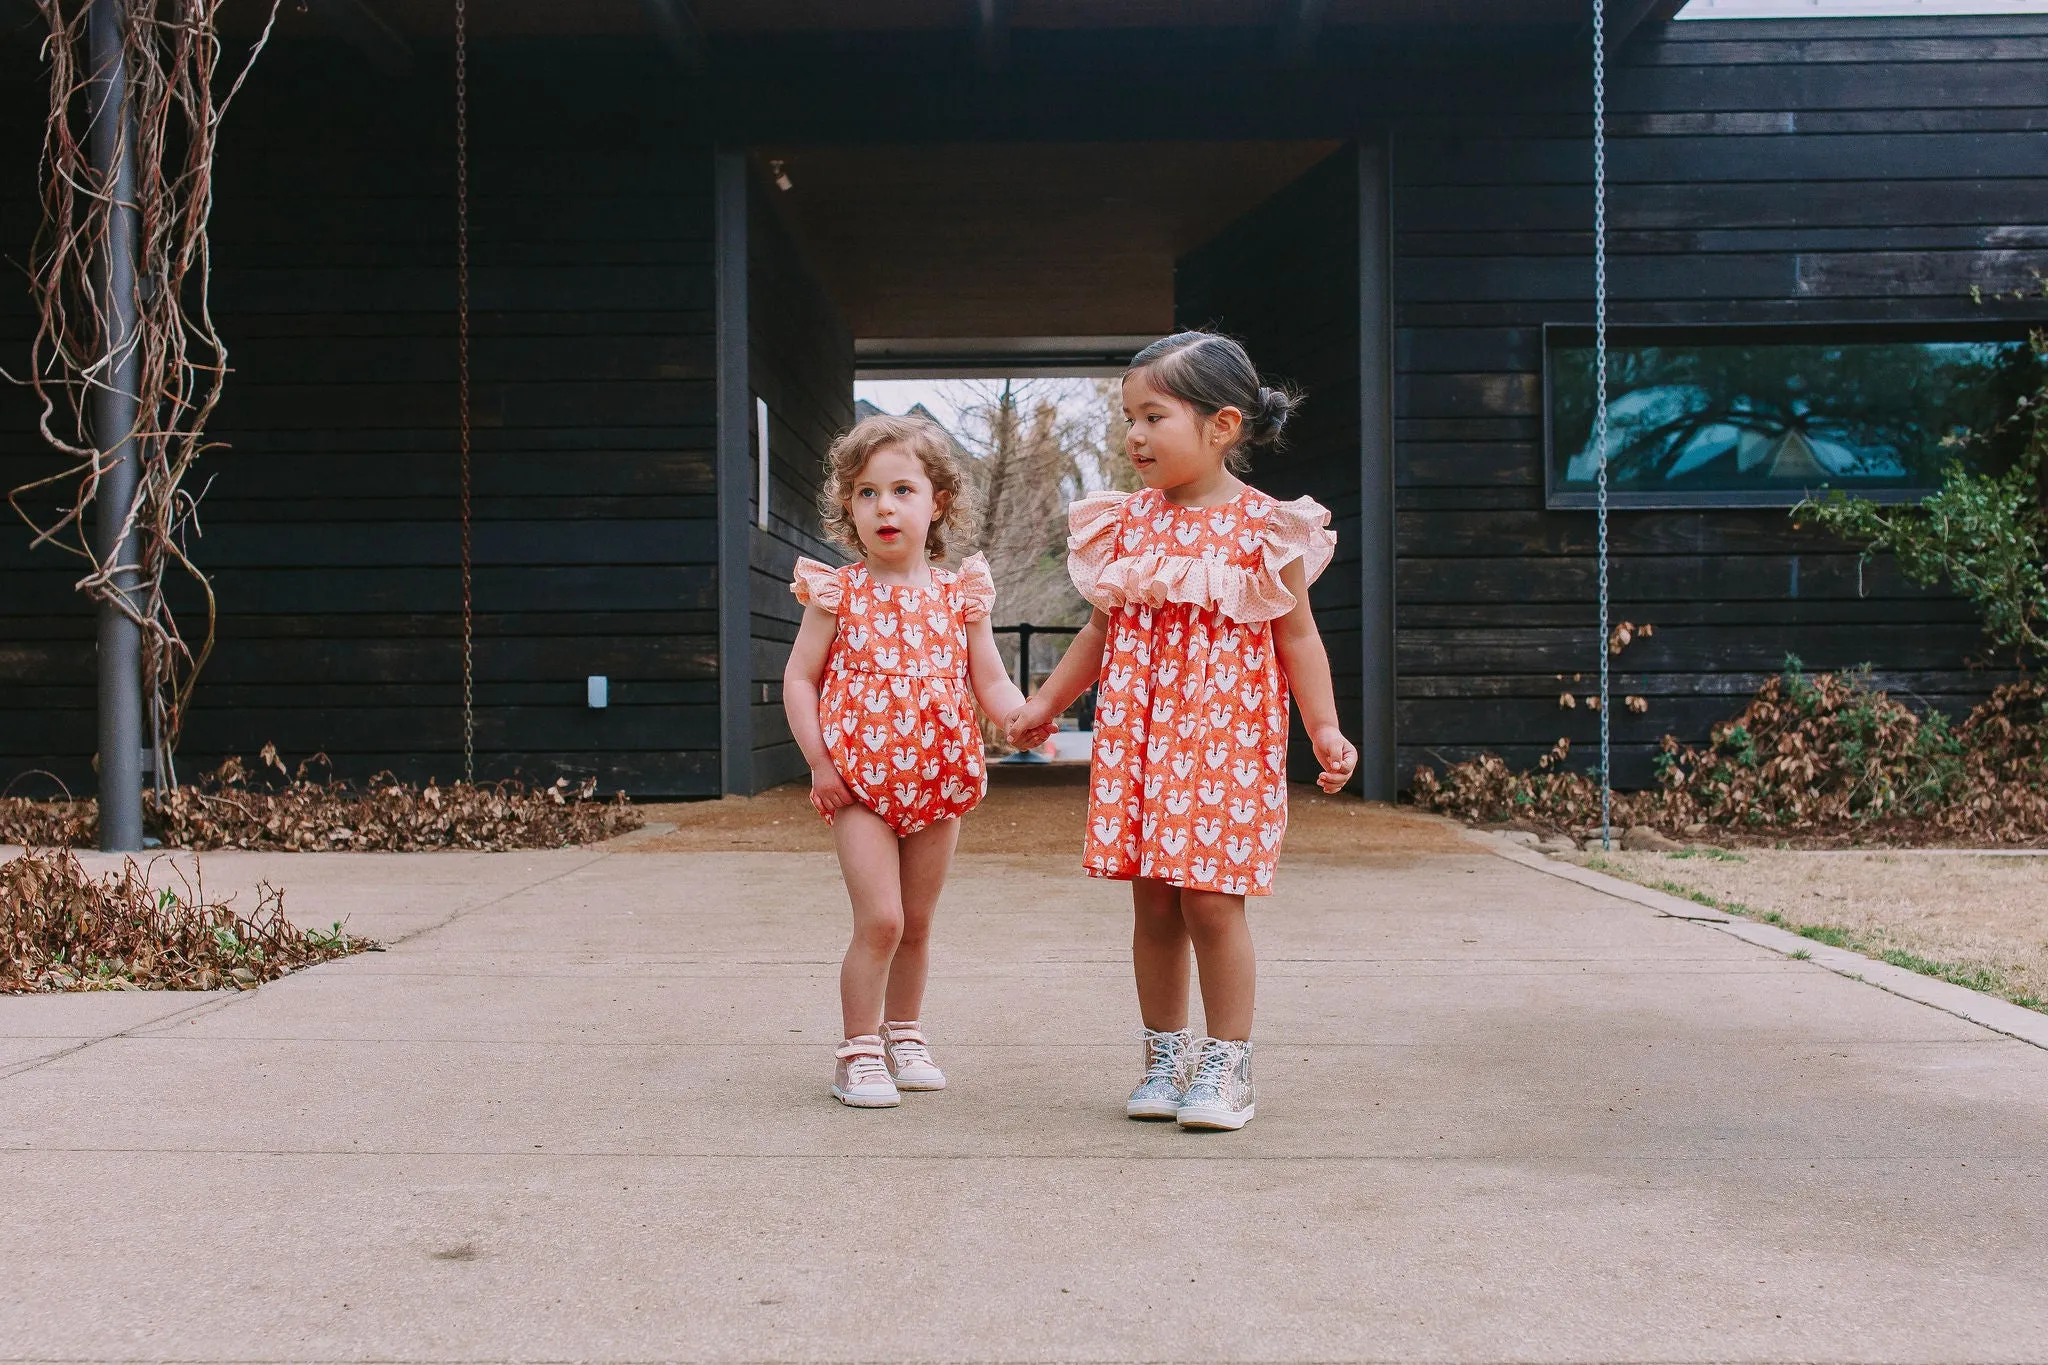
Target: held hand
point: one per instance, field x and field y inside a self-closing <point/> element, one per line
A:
<point x="1337" y="755"/>
<point x="1028" y="726"/>
<point x="828" y="790"/>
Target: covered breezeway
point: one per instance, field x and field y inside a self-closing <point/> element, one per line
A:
<point x="984" y="257"/>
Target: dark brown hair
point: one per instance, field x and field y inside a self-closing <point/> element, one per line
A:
<point x="934" y="449"/>
<point x="1210" y="372"/>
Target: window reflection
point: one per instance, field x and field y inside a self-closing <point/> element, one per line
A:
<point x="1768" y="421"/>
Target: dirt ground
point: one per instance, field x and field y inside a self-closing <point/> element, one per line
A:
<point x="1034" y="811"/>
<point x="1973" y="911"/>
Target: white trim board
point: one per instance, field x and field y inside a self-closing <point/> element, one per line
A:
<point x="1854" y="9"/>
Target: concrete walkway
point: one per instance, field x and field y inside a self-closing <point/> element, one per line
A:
<point x="578" y="1111"/>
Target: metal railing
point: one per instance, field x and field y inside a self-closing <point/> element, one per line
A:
<point x="1084" y="707"/>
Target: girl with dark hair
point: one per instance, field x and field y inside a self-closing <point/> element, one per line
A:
<point x="1201" y="630"/>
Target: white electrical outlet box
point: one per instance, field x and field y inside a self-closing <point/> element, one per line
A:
<point x="598" y="688"/>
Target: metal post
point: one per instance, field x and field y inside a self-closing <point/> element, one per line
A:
<point x="736" y="685"/>
<point x="1378" y="771"/>
<point x="113" y="421"/>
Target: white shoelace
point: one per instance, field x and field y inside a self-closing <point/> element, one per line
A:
<point x="1214" y="1068"/>
<point x="1164" y="1050"/>
<point x="863" y="1067"/>
<point x="911" y="1052"/>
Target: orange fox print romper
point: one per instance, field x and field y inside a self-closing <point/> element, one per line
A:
<point x="895" y="703"/>
<point x="1189" y="777"/>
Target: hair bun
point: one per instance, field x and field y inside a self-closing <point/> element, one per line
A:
<point x="1275" y="407"/>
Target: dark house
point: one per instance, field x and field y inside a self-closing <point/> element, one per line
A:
<point x="686" y="216"/>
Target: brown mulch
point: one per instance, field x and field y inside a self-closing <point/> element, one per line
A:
<point x="295" y="812"/>
<point x="1034" y="811"/>
<point x="63" y="930"/>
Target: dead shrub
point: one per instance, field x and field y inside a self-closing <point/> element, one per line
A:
<point x="1821" y="756"/>
<point x="298" y="812"/>
<point x="63" y="930"/>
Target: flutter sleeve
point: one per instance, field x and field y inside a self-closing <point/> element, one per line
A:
<point x="977" y="588"/>
<point x="1092" y="524"/>
<point x="818" y="585"/>
<point x="1298" y="530"/>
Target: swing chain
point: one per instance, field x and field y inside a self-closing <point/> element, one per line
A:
<point x="462" y="381"/>
<point x="1600" y="395"/>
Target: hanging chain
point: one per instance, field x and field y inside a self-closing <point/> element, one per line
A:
<point x="462" y="380"/>
<point x="1600" y="394"/>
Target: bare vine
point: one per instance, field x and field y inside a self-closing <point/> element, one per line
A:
<point x="171" y="51"/>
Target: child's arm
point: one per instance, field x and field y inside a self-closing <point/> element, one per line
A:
<point x="993" y="689"/>
<point x="1078" y="669"/>
<point x="800" y="703"/>
<point x="1307" y="665"/>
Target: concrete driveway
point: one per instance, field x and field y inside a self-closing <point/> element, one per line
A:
<point x="578" y="1111"/>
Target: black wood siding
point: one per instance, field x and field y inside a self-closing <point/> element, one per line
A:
<point x="332" y="525"/>
<point x="46" y="632"/>
<point x="801" y="363"/>
<point x="1821" y="171"/>
<point x="1810" y="170"/>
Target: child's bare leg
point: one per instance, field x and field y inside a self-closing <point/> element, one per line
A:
<point x="871" y="864"/>
<point x="1159" y="954"/>
<point x="1223" y="954"/>
<point x="925" y="858"/>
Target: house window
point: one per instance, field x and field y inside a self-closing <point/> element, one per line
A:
<point x="1760" y="417"/>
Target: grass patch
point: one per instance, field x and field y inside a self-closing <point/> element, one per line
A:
<point x="1719" y="855"/>
<point x="1976" y="977"/>
<point x="1982" y="979"/>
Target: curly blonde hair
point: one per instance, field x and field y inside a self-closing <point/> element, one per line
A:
<point x="934" y="449"/>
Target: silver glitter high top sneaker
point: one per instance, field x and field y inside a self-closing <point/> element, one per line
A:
<point x="1219" y="1094"/>
<point x="1166" y="1075"/>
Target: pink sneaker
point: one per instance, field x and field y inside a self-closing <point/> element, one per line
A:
<point x="862" y="1079"/>
<point x="910" y="1061"/>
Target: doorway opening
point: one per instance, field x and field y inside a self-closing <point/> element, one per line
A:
<point x="1002" y="286"/>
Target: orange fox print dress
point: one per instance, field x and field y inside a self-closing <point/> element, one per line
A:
<point x="1189" y="778"/>
<point x="895" y="702"/>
